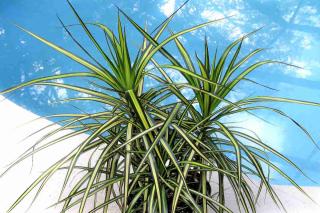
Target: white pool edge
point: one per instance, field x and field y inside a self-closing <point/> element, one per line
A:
<point x="13" y="128"/>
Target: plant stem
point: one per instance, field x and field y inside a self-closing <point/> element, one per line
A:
<point x="204" y="189"/>
<point x="221" y="191"/>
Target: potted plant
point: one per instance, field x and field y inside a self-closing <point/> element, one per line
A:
<point x="156" y="155"/>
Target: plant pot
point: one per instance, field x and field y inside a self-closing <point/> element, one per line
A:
<point x="193" y="180"/>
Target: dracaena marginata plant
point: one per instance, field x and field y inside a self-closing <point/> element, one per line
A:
<point x="155" y="155"/>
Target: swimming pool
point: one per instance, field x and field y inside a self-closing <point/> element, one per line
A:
<point x="291" y="31"/>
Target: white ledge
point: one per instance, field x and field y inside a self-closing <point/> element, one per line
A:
<point x="13" y="129"/>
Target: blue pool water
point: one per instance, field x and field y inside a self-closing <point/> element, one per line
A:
<point x="290" y="33"/>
